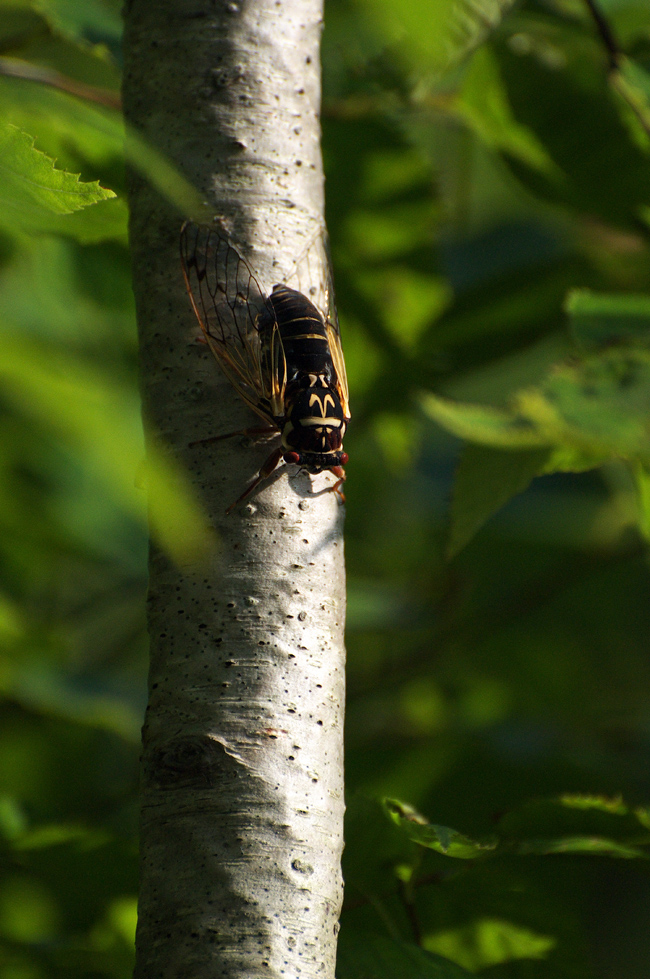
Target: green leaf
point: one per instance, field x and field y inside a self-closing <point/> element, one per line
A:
<point x="599" y="406"/>
<point x="601" y="403"/>
<point x="599" y="803"/>
<point x="370" y="956"/>
<point x="497" y="427"/>
<point x="632" y="82"/>
<point x="434" y="34"/>
<point x="576" y="121"/>
<point x="375" y="847"/>
<point x="589" y="824"/>
<point x="599" y="319"/>
<point x="105" y="221"/>
<point x="91" y="18"/>
<point x="101" y="419"/>
<point x="29" y="181"/>
<point x="42" y="688"/>
<point x="641" y="475"/>
<point x="410" y="301"/>
<point x="98" y="135"/>
<point x="483" y="104"/>
<point x="574" y="459"/>
<point x="67" y="128"/>
<point x="592" y="845"/>
<point x="488" y="942"/>
<point x="442" y="839"/>
<point x="485" y="480"/>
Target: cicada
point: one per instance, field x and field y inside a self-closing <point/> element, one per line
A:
<point x="280" y="350"/>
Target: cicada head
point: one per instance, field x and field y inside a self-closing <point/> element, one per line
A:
<point x="313" y="432"/>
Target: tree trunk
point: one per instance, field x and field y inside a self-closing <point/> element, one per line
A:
<point x="242" y="789"/>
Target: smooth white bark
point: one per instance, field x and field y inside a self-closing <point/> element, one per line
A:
<point x="242" y="765"/>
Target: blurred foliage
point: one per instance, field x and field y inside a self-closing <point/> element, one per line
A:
<point x="489" y="212"/>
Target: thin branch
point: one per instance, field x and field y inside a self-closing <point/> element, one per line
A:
<point x="14" y="68"/>
<point x="606" y="34"/>
<point x="406" y="893"/>
<point x="618" y="78"/>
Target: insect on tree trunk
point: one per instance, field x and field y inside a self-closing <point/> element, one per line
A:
<point x="242" y="789"/>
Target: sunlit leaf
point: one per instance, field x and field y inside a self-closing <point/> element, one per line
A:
<point x="598" y="319"/>
<point x="68" y="128"/>
<point x="592" y="845"/>
<point x="435" y="34"/>
<point x="58" y="834"/>
<point x="574" y="823"/>
<point x="641" y="475"/>
<point x="442" y="839"/>
<point x="31" y="184"/>
<point x="489" y="942"/>
<point x="632" y="82"/>
<point x="484" y="424"/>
<point x="600" y="404"/>
<point x="97" y="134"/>
<point x="601" y="803"/>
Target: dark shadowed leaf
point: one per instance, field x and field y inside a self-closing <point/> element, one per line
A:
<point x="485" y="480"/>
<point x="370" y="956"/>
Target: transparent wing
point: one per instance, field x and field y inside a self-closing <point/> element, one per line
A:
<point x="312" y="276"/>
<point x="230" y="305"/>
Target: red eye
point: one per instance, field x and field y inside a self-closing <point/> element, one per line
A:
<point x="344" y="458"/>
<point x="292" y="457"/>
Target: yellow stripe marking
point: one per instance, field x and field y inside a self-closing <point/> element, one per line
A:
<point x="326" y="422"/>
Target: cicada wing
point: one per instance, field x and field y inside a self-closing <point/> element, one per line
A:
<point x="230" y="306"/>
<point x="334" y="340"/>
<point x="274" y="368"/>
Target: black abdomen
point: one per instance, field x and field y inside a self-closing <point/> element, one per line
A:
<point x="303" y="333"/>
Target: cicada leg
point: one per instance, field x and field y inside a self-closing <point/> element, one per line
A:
<point x="250" y="432"/>
<point x="340" y="472"/>
<point x="265" y="471"/>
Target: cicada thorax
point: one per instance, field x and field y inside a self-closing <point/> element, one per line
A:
<point x="313" y="421"/>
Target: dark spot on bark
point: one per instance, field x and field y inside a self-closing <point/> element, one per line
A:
<point x="185" y="762"/>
